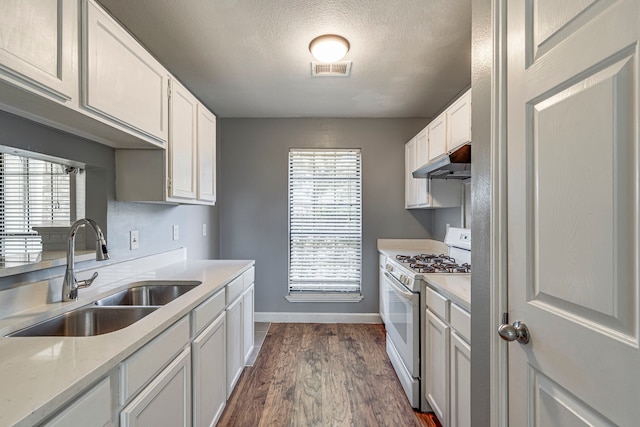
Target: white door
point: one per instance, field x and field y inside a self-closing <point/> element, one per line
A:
<point x="573" y="211"/>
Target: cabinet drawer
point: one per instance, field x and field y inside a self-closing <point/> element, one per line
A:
<point x="249" y="277"/>
<point x="143" y="365"/>
<point x="461" y="321"/>
<point x="438" y="304"/>
<point x="234" y="289"/>
<point x="203" y="314"/>
<point x="91" y="408"/>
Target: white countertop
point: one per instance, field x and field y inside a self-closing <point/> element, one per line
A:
<point x="41" y="374"/>
<point x="455" y="286"/>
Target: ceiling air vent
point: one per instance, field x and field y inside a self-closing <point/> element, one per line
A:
<point x="335" y="69"/>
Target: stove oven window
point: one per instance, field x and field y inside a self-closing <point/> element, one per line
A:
<point x="325" y="222"/>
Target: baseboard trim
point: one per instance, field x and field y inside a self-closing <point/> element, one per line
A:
<point x="318" y="317"/>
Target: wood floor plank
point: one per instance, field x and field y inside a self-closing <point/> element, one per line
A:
<point x="278" y="407"/>
<point x="307" y="402"/>
<point x="321" y="375"/>
<point x="335" y="395"/>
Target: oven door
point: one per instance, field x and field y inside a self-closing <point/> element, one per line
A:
<point x="403" y="322"/>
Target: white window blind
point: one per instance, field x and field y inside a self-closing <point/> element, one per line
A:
<point x="325" y="221"/>
<point x="32" y="192"/>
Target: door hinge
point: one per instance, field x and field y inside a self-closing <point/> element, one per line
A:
<point x="169" y="183"/>
<point x="169" y="89"/>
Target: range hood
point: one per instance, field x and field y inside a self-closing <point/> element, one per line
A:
<point x="453" y="165"/>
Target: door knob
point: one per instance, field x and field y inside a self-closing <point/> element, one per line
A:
<point x="518" y="331"/>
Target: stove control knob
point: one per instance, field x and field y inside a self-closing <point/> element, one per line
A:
<point x="389" y="267"/>
<point x="403" y="278"/>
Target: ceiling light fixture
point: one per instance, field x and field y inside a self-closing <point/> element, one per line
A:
<point x="329" y="48"/>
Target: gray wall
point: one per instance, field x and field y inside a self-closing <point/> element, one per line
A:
<point x="442" y="218"/>
<point x="153" y="221"/>
<point x="482" y="327"/>
<point x="253" y="201"/>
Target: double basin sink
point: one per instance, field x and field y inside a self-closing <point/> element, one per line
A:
<point x="110" y="313"/>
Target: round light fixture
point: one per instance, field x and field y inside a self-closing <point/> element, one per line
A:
<point x="329" y="48"/>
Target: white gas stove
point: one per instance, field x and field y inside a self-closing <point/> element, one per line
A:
<point x="410" y="267"/>
<point x="404" y="307"/>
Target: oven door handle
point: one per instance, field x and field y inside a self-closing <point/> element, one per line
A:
<point x="402" y="292"/>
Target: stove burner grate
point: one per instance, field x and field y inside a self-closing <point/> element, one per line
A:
<point x="431" y="263"/>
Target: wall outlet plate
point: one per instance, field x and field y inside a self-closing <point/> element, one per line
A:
<point x="176" y="232"/>
<point x="134" y="240"/>
<point x="204" y="230"/>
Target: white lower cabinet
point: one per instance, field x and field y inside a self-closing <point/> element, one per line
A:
<point x="460" y="382"/>
<point x="437" y="375"/>
<point x="91" y="409"/>
<point x="235" y="356"/>
<point x="248" y="322"/>
<point x="209" y="373"/>
<point x="447" y="361"/>
<point x="182" y="377"/>
<point x="166" y="401"/>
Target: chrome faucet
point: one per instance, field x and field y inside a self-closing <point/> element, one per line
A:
<point x="71" y="285"/>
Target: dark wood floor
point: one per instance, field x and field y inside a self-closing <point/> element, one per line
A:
<point x="321" y="375"/>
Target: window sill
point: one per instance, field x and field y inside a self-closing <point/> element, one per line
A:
<point x="324" y="298"/>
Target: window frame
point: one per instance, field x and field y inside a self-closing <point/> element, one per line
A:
<point x="325" y="295"/>
<point x="46" y="181"/>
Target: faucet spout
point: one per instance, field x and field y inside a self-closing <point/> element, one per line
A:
<point x="70" y="285"/>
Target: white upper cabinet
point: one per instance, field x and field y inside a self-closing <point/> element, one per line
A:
<point x="437" y="136"/>
<point x="422" y="148"/>
<point x="37" y="46"/>
<point x="422" y="193"/>
<point x="206" y="155"/>
<point x="183" y="142"/>
<point x="185" y="171"/>
<point x="415" y="189"/>
<point x="459" y="122"/>
<point x="121" y="81"/>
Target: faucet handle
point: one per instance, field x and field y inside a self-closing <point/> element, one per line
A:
<point x="88" y="282"/>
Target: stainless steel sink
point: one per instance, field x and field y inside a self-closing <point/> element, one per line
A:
<point x="86" y="322"/>
<point x="148" y="294"/>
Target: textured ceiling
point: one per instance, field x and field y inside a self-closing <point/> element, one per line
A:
<point x="250" y="58"/>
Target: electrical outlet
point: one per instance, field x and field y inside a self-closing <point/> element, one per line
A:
<point x="176" y="232"/>
<point x="204" y="230"/>
<point x="133" y="239"/>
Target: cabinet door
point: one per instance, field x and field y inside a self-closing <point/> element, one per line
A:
<point x="182" y="142"/>
<point x="409" y="187"/>
<point x="209" y="374"/>
<point x="122" y="82"/>
<point x="460" y="382"/>
<point x="422" y="148"/>
<point x="416" y="189"/>
<point x="381" y="297"/>
<point x="91" y="409"/>
<point x="459" y="122"/>
<point x="247" y="322"/>
<point x="436" y="381"/>
<point x="37" y="45"/>
<point x="235" y="356"/>
<point x="166" y="401"/>
<point x="437" y="136"/>
<point x="206" y="155"/>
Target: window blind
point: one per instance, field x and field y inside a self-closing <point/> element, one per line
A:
<point x="325" y="221"/>
<point x="32" y="192"/>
